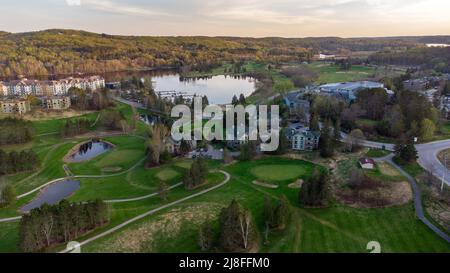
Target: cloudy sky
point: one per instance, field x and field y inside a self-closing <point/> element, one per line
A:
<point x="256" y="18"/>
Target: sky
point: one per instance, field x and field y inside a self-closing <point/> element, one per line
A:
<point x="248" y="18"/>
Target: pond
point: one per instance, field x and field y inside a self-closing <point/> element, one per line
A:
<point x="89" y="150"/>
<point x="52" y="194"/>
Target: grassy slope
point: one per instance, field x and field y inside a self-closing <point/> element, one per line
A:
<point x="332" y="73"/>
<point x="336" y="229"/>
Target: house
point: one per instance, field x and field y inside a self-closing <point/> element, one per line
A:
<point x="367" y="163"/>
<point x="17" y="106"/>
<point x="305" y="140"/>
<point x="56" y="103"/>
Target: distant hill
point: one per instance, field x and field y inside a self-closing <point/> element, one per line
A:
<point x="59" y="51"/>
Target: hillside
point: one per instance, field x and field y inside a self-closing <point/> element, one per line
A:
<point x="69" y="51"/>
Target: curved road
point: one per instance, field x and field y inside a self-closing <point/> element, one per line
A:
<point x="428" y="159"/>
<point x="417" y="199"/>
<point x="427" y="153"/>
<point x="153" y="211"/>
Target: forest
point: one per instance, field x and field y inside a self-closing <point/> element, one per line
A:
<point x="59" y="51"/>
<point x="60" y="223"/>
<point x="434" y="58"/>
<point x="14" y="162"/>
<point x="15" y="131"/>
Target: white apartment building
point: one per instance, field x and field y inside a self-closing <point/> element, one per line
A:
<point x="18" y="106"/>
<point x="25" y="87"/>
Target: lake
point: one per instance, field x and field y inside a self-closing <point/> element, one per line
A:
<point x="52" y="194"/>
<point x="438" y="45"/>
<point x="218" y="89"/>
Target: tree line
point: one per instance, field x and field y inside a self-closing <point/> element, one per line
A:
<point x="89" y="100"/>
<point x="15" y="131"/>
<point x="74" y="127"/>
<point x="14" y="162"/>
<point x="60" y="223"/>
<point x="69" y="51"/>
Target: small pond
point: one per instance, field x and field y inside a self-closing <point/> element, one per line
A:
<point x="52" y="194"/>
<point x="89" y="150"/>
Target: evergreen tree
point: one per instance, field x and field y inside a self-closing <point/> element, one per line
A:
<point x="163" y="190"/>
<point x="185" y="148"/>
<point x="237" y="231"/>
<point x="315" y="192"/>
<point x="7" y="196"/>
<point x="406" y="151"/>
<point x="337" y="130"/>
<point x="206" y="237"/>
<point x="326" y="145"/>
<point x="196" y="175"/>
<point x="281" y="213"/>
<point x="314" y="123"/>
<point x="242" y="100"/>
<point x="227" y="158"/>
<point x="235" y="101"/>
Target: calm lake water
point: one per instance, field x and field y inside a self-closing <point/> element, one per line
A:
<point x="438" y="45"/>
<point x="52" y="194"/>
<point x="218" y="89"/>
<point x="90" y="150"/>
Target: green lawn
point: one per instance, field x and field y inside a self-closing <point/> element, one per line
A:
<point x="275" y="173"/>
<point x="330" y="73"/>
<point x="9" y="237"/>
<point x="374" y="153"/>
<point x="335" y="229"/>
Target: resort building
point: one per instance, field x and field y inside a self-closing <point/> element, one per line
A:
<point x="56" y="103"/>
<point x="305" y="140"/>
<point x="18" y="106"/>
<point x="26" y="87"/>
<point x="297" y="106"/>
<point x="348" y="90"/>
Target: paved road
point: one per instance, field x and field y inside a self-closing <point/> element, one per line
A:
<point x="153" y="211"/>
<point x="141" y="197"/>
<point x="372" y="144"/>
<point x="417" y="199"/>
<point x="428" y="158"/>
<point x="427" y="153"/>
<point x="12" y="219"/>
<point x="138" y="105"/>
